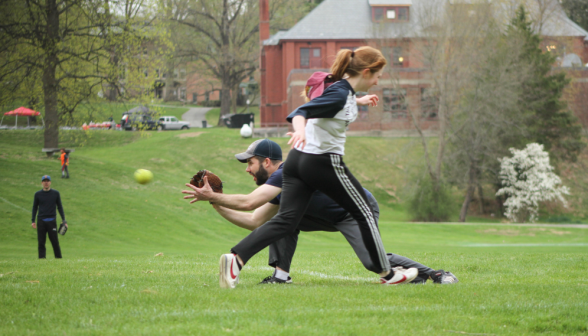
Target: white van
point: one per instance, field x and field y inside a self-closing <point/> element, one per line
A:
<point x="172" y="123"/>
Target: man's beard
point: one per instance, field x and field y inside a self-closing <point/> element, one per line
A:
<point x="261" y="176"/>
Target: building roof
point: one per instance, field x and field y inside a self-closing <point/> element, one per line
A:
<point x="352" y="20"/>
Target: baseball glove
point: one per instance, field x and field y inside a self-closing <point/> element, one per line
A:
<point x="214" y="181"/>
<point x="62" y="229"/>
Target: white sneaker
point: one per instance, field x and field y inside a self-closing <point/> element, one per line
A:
<point x="401" y="276"/>
<point x="228" y="276"/>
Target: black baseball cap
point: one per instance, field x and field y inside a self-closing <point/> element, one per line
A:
<point x="264" y="148"/>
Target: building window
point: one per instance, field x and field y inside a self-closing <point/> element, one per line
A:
<point x="304" y="58"/>
<point x="429" y="103"/>
<point x="182" y="93"/>
<point x="397" y="57"/>
<point x="395" y="102"/>
<point x="403" y="13"/>
<point x="378" y="14"/>
<point x="182" y="73"/>
<point x="310" y="58"/>
<point x="393" y="14"/>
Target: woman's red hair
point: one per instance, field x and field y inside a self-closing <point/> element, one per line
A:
<point x="354" y="62"/>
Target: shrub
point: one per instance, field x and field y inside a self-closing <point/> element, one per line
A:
<point x="430" y="204"/>
<point x="211" y="103"/>
<point x="528" y="179"/>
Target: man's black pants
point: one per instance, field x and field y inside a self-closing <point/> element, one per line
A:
<point x="45" y="229"/>
<point x="282" y="251"/>
<point x="303" y="174"/>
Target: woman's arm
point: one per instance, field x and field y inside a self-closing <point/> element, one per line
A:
<point x="371" y="100"/>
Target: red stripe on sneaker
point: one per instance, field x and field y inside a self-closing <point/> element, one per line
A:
<point x="401" y="280"/>
<point x="232" y="274"/>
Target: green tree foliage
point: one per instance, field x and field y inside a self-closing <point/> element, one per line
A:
<point x="549" y="122"/>
<point x="432" y="202"/>
<point x="514" y="98"/>
<point x="577" y="10"/>
<point x="222" y="37"/>
<point x="49" y="46"/>
<point x="57" y="54"/>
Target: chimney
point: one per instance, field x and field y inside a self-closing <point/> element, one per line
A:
<point x="264" y="31"/>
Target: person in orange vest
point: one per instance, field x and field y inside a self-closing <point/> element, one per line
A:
<point x="64" y="163"/>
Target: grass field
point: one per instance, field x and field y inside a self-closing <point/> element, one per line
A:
<point x="514" y="280"/>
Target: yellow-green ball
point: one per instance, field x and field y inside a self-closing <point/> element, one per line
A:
<point x="143" y="176"/>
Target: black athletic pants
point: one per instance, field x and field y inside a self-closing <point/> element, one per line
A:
<point x="281" y="252"/>
<point x="302" y="175"/>
<point x="45" y="229"/>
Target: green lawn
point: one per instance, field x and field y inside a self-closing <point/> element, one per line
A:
<point x="514" y="280"/>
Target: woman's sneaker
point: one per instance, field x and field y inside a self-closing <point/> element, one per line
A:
<point x="228" y="276"/>
<point x="443" y="278"/>
<point x="400" y="276"/>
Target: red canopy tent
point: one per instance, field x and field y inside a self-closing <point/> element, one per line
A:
<point x="21" y="111"/>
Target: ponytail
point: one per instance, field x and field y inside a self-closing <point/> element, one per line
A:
<point x="341" y="64"/>
<point x="354" y="62"/>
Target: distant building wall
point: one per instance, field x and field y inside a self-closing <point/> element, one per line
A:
<point x="284" y="74"/>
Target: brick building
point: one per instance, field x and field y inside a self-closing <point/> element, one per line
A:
<point x="288" y="58"/>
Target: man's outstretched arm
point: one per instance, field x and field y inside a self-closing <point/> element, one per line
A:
<point x="248" y="220"/>
<point x="252" y="201"/>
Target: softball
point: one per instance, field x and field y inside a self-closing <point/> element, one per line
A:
<point x="143" y="176"/>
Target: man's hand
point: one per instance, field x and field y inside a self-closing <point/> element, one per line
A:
<point x="371" y="100"/>
<point x="199" y="194"/>
<point x="34" y="225"/>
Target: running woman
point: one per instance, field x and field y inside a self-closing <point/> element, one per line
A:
<point x="316" y="163"/>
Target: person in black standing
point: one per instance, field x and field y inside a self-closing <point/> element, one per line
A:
<point x="46" y="200"/>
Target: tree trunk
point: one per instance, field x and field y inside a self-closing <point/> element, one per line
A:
<point x="225" y="99"/>
<point x="500" y="202"/>
<point x="51" y="135"/>
<point x="169" y="82"/>
<point x="469" y="193"/>
<point x="481" y="196"/>
<point x="234" y="95"/>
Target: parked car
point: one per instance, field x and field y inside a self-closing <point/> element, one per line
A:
<point x="172" y="123"/>
<point x="135" y="121"/>
<point x="102" y="125"/>
<point x="140" y="117"/>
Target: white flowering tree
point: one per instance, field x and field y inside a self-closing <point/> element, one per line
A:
<point x="527" y="179"/>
